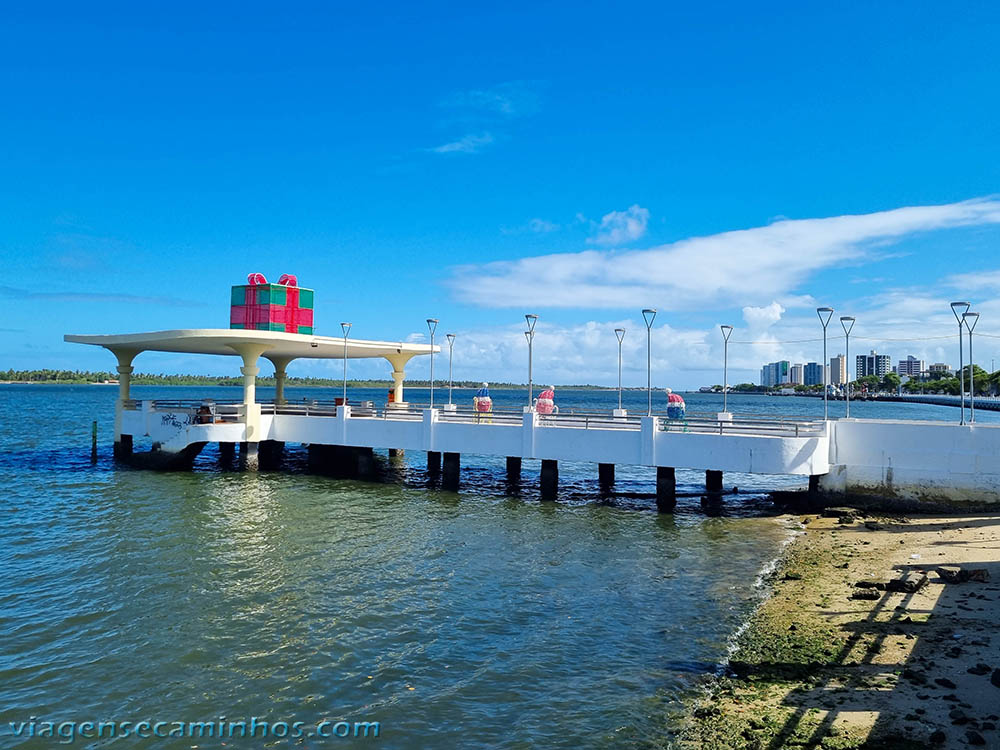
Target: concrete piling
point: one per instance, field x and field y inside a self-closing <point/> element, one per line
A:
<point x="550" y="479"/>
<point x="713" y="481"/>
<point x="452" y="464"/>
<point x="666" y="489"/>
<point x="814" y="484"/>
<point x="93" y="443"/>
<point x="343" y="461"/>
<point x="270" y="454"/>
<point x="606" y="476"/>
<point x="365" y="466"/>
<point x="434" y="462"/>
<point x="513" y="469"/>
<point x="123" y="446"/>
<point x="227" y="453"/>
<point x="249" y="456"/>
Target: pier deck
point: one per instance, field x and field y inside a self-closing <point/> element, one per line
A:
<point x="916" y="463"/>
<point x="750" y="445"/>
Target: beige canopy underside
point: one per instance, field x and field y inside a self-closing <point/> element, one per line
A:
<point x="232" y="342"/>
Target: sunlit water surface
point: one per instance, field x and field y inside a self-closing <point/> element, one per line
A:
<point x="478" y="619"/>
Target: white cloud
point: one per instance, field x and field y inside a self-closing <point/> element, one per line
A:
<point x="621" y="227"/>
<point x="542" y="226"/>
<point x="978" y="281"/>
<point x="758" y="318"/>
<point x="581" y="353"/>
<point x="469" y="144"/>
<point x="510" y="99"/>
<point x="743" y="267"/>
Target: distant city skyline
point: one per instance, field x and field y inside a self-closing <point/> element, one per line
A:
<point x="785" y="372"/>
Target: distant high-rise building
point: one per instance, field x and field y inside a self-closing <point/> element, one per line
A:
<point x="873" y="363"/>
<point x="911" y="366"/>
<point x="813" y="373"/>
<point x="838" y="370"/>
<point x="795" y="375"/>
<point x="940" y="368"/>
<point x="774" y="374"/>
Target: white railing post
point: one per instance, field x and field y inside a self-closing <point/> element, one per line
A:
<point x="430" y="418"/>
<point x="343" y="415"/>
<point x="648" y="442"/>
<point x="529" y="420"/>
<point x="147" y="416"/>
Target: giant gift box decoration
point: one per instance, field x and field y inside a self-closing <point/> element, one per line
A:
<point x="261" y="306"/>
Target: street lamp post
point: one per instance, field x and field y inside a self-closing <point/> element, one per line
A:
<point x="620" y="334"/>
<point x="844" y="320"/>
<point x="530" y="336"/>
<point x="971" y="318"/>
<point x="727" y="331"/>
<point x="346" y="328"/>
<point x="649" y="315"/>
<point x="432" y="324"/>
<point x="960" y="308"/>
<point x="451" y="354"/>
<point x="828" y="312"/>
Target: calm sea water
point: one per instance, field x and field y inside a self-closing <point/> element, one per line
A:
<point x="476" y="619"/>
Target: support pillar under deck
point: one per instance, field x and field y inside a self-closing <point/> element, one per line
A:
<point x="513" y="469"/>
<point x="666" y="489"/>
<point x="123" y="446"/>
<point x="606" y="476"/>
<point x="713" y="481"/>
<point x="227" y="452"/>
<point x="271" y="453"/>
<point x="365" y="461"/>
<point x="434" y="462"/>
<point x="550" y="479"/>
<point x="452" y="464"/>
<point x="814" y="484"/>
<point x="249" y="456"/>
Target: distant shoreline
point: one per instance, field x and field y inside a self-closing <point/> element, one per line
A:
<point x="269" y="382"/>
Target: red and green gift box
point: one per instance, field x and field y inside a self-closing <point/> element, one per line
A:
<point x="261" y="306"/>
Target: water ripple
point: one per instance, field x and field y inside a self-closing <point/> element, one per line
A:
<point x="477" y="619"/>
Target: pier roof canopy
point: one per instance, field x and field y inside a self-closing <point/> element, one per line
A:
<point x="230" y="341"/>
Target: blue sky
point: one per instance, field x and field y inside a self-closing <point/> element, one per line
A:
<point x="723" y="163"/>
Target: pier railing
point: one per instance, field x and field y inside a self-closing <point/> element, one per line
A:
<point x="207" y="411"/>
<point x="760" y="426"/>
<point x="593" y="421"/>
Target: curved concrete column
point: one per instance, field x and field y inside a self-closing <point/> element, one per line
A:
<point x="125" y="369"/>
<point x="250" y="352"/>
<point x="280" y="364"/>
<point x="398" y="362"/>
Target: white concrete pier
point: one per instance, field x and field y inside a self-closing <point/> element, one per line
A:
<point x="918" y="463"/>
